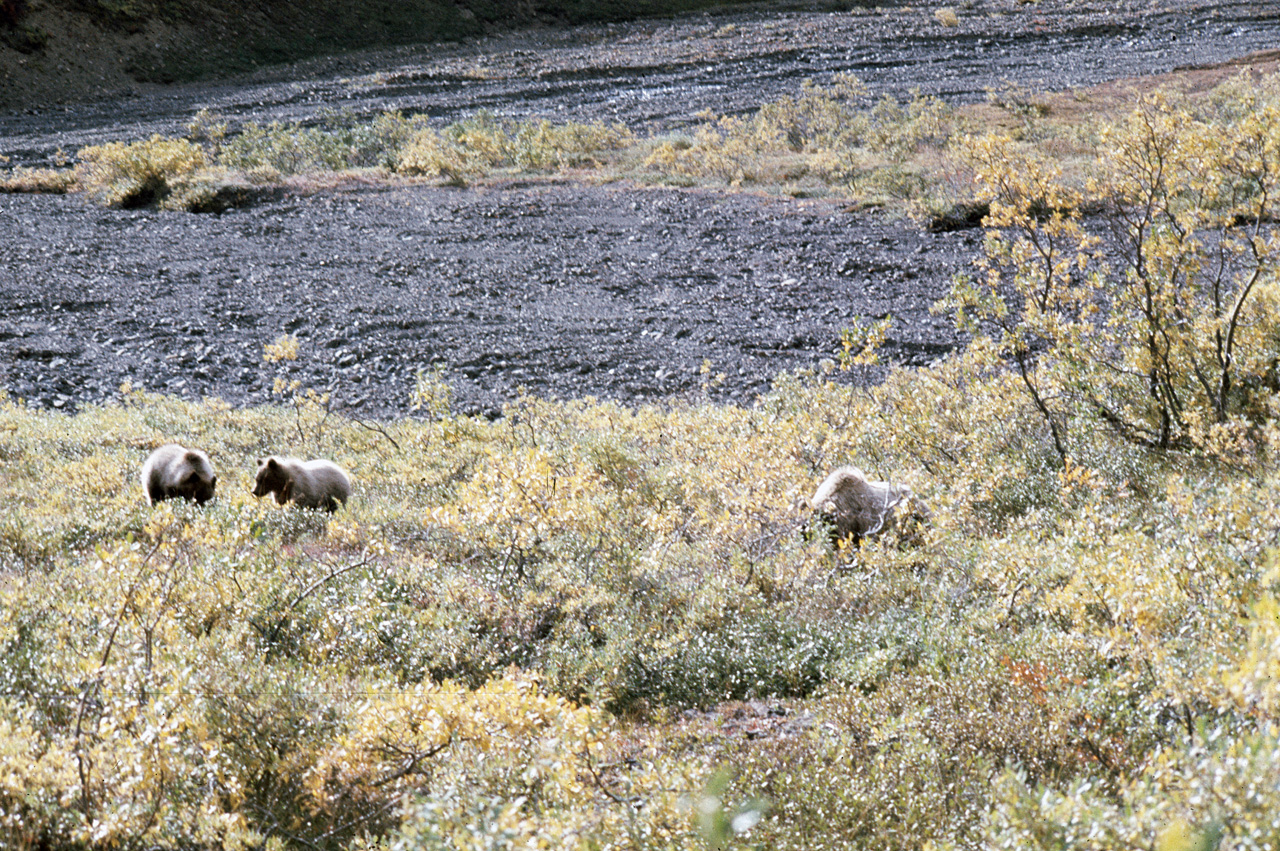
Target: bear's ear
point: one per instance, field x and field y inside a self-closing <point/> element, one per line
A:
<point x="272" y="463"/>
<point x="261" y="461"/>
<point x="193" y="457"/>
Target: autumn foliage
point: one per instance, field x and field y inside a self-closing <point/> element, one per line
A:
<point x="534" y="632"/>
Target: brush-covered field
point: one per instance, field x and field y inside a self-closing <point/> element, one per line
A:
<point x="495" y="643"/>
<point x="535" y="632"/>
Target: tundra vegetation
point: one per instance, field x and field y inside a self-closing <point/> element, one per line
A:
<point x="513" y="634"/>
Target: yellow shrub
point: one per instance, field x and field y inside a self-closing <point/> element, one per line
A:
<point x="54" y="181"/>
<point x="1155" y="334"/>
<point x="947" y="17"/>
<point x="429" y="154"/>
<point x="140" y="173"/>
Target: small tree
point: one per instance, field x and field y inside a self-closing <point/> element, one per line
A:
<point x="1155" y="321"/>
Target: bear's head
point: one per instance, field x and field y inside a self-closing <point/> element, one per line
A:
<point x="272" y="478"/>
<point x="196" y="479"/>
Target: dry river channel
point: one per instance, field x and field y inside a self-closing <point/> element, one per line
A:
<point x="558" y="289"/>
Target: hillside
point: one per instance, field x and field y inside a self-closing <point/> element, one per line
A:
<point x="66" y="50"/>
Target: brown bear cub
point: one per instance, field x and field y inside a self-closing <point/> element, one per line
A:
<point x="173" y="472"/>
<point x="310" y="484"/>
<point x="857" y="507"/>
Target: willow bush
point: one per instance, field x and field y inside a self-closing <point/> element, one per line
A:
<point x="1158" y="315"/>
<point x="155" y="171"/>
<point x="1152" y="319"/>
<point x="833" y="133"/>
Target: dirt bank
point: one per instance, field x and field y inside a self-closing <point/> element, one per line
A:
<point x="59" y="51"/>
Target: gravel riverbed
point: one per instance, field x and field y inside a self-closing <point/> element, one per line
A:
<point x="563" y="289"/>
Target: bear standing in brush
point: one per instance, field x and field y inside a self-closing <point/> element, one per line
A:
<point x="175" y="472"/>
<point x="856" y="507"/>
<point x="310" y="484"/>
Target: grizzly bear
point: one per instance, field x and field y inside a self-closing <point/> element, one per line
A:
<point x="310" y="484"/>
<point x="855" y="507"/>
<point x="174" y="471"/>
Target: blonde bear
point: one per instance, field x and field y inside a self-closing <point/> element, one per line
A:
<point x="175" y="472"/>
<point x="856" y="507"/>
<point x="310" y="484"/>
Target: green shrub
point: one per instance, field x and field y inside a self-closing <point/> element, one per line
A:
<point x="541" y="146"/>
<point x="341" y="142"/>
<point x="285" y="150"/>
<point x="830" y="131"/>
